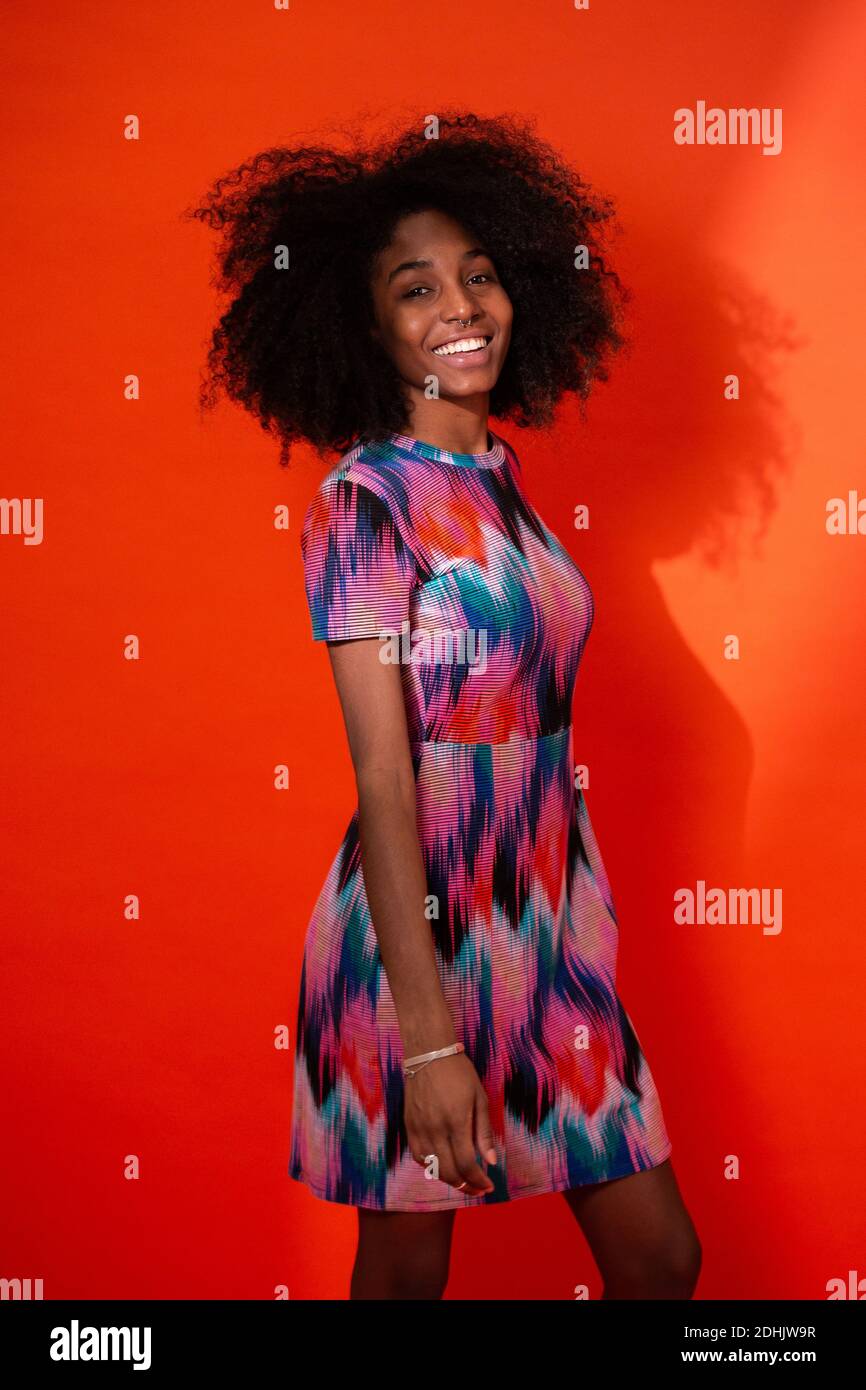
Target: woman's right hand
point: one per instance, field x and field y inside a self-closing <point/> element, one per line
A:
<point x="446" y="1113"/>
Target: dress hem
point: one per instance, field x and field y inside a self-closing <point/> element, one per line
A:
<point x="464" y="1203"/>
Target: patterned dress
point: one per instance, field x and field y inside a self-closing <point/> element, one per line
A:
<point x="488" y="616"/>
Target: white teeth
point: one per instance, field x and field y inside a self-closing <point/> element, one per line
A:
<point x="464" y="345"/>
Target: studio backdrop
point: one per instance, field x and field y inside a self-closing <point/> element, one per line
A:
<point x="176" y="775"/>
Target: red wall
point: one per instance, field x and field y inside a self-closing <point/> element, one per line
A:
<point x="155" y="777"/>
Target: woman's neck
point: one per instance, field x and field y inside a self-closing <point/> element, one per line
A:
<point x="459" y="426"/>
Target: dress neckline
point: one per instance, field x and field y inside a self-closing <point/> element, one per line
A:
<point x="490" y="458"/>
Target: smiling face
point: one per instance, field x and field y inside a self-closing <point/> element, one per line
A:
<point x="440" y="309"/>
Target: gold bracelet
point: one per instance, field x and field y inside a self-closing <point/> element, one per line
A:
<point x="409" y="1063"/>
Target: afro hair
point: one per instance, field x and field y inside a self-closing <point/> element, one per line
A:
<point x="294" y="344"/>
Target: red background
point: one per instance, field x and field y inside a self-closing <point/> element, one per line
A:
<point x="156" y="777"/>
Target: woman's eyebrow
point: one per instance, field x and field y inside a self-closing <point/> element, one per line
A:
<point x="426" y="265"/>
<point x="409" y="265"/>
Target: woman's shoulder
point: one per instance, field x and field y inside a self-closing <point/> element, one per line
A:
<point x="369" y="489"/>
<point x="375" y="466"/>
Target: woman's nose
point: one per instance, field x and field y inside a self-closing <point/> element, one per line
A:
<point x="459" y="304"/>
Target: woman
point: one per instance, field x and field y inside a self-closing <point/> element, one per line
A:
<point x="460" y="1040"/>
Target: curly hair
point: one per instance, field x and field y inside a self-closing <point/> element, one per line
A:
<point x="294" y="345"/>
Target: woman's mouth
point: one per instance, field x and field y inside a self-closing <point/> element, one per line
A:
<point x="469" y="351"/>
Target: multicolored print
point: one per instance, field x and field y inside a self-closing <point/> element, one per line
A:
<point x="405" y="537"/>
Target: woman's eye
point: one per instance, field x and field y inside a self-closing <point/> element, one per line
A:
<point x="418" y="291"/>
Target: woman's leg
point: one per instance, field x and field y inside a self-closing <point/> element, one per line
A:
<point x="640" y="1234"/>
<point x="402" y="1254"/>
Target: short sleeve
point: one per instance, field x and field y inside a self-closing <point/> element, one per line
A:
<point x="358" y="571"/>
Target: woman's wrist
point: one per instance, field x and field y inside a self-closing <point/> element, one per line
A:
<point x="412" y="1065"/>
<point x="427" y="1033"/>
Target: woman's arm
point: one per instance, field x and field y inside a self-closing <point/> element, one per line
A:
<point x="446" y="1109"/>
